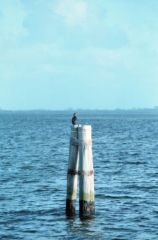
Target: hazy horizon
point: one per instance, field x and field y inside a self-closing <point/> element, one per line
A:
<point x="79" y="54"/>
<point x="84" y="109"/>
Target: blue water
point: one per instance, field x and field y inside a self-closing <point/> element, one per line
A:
<point x="33" y="166"/>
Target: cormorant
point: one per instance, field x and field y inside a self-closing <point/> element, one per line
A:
<point x="74" y="119"/>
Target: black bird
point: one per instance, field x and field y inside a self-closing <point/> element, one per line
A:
<point x="74" y="119"/>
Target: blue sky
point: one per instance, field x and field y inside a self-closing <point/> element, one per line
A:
<point x="59" y="54"/>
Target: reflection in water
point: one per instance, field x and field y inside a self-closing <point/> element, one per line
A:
<point x="82" y="229"/>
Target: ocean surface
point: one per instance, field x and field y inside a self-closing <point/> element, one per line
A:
<point x="34" y="148"/>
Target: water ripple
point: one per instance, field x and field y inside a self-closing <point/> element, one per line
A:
<point x="33" y="165"/>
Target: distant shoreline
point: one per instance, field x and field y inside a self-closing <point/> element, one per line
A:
<point x="114" y="111"/>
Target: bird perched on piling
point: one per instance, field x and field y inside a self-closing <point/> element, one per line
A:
<point x="74" y="119"/>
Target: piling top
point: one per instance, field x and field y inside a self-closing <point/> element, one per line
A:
<point x="74" y="126"/>
<point x="86" y="127"/>
<point x="85" y="131"/>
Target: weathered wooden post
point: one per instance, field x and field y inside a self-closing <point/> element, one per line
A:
<point x="86" y="172"/>
<point x="72" y="174"/>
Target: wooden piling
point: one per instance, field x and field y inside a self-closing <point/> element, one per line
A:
<point x="86" y="173"/>
<point x="72" y="174"/>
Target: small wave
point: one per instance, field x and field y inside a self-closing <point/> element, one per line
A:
<point x="5" y="198"/>
<point x="142" y="188"/>
<point x="27" y="167"/>
<point x="5" y="180"/>
<point x="30" y="231"/>
<point x="135" y="163"/>
<point x="119" y="229"/>
<point x="101" y="196"/>
<point x="34" y="212"/>
<point x="8" y="237"/>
